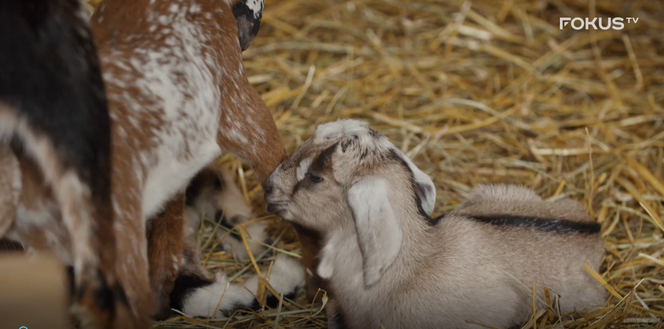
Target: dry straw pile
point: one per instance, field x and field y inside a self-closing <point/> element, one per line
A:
<point x="478" y="92"/>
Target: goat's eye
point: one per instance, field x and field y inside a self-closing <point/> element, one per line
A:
<point x="218" y="185"/>
<point x="314" y="178"/>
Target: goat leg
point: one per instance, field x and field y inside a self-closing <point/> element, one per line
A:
<point x="165" y="252"/>
<point x="80" y="186"/>
<point x="132" y="244"/>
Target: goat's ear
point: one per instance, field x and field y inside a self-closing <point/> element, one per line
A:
<point x="425" y="190"/>
<point x="424" y="187"/>
<point x="378" y="230"/>
<point x="248" y="14"/>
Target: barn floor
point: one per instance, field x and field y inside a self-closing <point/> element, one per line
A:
<point x="481" y="92"/>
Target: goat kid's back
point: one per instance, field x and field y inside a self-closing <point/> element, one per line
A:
<point x="505" y="239"/>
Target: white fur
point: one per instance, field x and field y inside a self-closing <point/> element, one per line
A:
<point x="256" y="6"/>
<point x="202" y="302"/>
<point x="29" y="218"/>
<point x="360" y="129"/>
<point x="287" y="275"/>
<point x="302" y="168"/>
<point x="255" y="240"/>
<point x="337" y="129"/>
<point x="326" y="266"/>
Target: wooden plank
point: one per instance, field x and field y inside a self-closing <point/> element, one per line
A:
<point x="32" y="292"/>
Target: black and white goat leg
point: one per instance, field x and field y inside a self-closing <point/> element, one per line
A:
<point x="198" y="295"/>
<point x="53" y="106"/>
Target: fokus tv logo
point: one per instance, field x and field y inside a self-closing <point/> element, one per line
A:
<point x="597" y="23"/>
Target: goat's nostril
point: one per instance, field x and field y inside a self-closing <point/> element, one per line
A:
<point x="267" y="188"/>
<point x="236" y="220"/>
<point x="219" y="216"/>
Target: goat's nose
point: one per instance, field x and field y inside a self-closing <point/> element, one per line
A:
<point x="218" y="216"/>
<point x="268" y="187"/>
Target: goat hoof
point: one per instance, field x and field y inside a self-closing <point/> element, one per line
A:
<point x="98" y="304"/>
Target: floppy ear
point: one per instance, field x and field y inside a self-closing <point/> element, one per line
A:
<point x="425" y="190"/>
<point x="378" y="231"/>
<point x="248" y="14"/>
<point x="424" y="187"/>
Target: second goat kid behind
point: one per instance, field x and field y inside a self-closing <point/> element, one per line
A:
<point x="389" y="263"/>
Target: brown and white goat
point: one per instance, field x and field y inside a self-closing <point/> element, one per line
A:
<point x="177" y="98"/>
<point x="388" y="263"/>
<point x="178" y="95"/>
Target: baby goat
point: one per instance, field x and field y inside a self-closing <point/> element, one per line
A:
<point x="213" y="194"/>
<point x="390" y="264"/>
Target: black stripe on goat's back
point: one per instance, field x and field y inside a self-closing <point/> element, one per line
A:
<point x="558" y="226"/>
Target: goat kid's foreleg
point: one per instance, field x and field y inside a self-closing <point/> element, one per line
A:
<point x="165" y="252"/>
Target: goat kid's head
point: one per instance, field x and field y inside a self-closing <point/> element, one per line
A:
<point x="248" y="14"/>
<point x="349" y="177"/>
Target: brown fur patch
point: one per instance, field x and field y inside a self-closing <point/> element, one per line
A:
<point x="165" y="252"/>
<point x="310" y="242"/>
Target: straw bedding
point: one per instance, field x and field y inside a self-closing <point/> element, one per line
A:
<point x="480" y="92"/>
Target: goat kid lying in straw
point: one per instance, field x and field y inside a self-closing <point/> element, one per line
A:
<point x="214" y="194"/>
<point x="389" y="263"/>
<point x="87" y="180"/>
